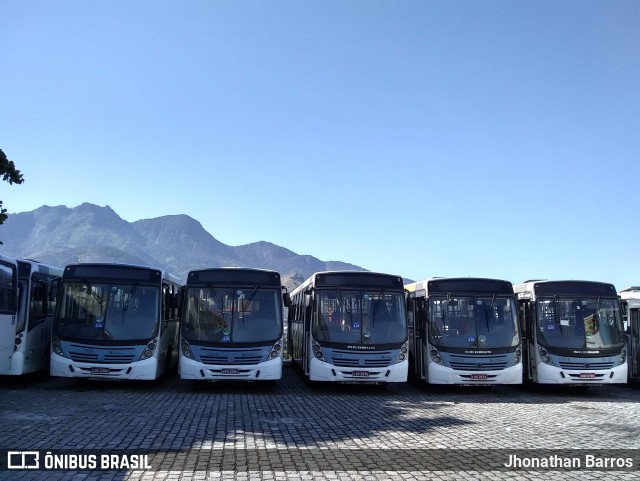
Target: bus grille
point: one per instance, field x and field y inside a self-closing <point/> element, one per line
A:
<point x="349" y="359"/>
<point x="484" y="364"/>
<point x="577" y="366"/>
<point x="235" y="357"/>
<point x="97" y="356"/>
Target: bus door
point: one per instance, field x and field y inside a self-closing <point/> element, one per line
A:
<point x="526" y="316"/>
<point x="309" y="313"/>
<point x="37" y="337"/>
<point x="420" y="337"/>
<point x="634" y="348"/>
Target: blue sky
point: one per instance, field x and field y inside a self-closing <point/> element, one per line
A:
<point x="423" y="138"/>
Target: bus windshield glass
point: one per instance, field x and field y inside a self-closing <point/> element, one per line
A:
<point x="109" y="312"/>
<point x="579" y="323"/>
<point x="473" y="322"/>
<point x="360" y="317"/>
<point x="232" y="315"/>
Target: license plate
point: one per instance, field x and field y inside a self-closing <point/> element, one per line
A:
<point x="478" y="376"/>
<point x="587" y="375"/>
<point x="100" y="370"/>
<point x="360" y="373"/>
<point x="230" y="371"/>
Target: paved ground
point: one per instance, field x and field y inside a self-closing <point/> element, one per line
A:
<point x="293" y="431"/>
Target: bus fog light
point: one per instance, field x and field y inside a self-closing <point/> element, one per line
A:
<point x="319" y="354"/>
<point x="274" y="354"/>
<point x="401" y="357"/>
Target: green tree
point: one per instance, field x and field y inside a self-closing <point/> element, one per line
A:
<point x="10" y="174"/>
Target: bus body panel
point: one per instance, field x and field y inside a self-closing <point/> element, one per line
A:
<point x="6" y="352"/>
<point x="228" y="359"/>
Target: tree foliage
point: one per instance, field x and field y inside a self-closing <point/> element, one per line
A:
<point x="9" y="174"/>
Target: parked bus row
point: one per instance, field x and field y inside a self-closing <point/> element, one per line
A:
<point x="111" y="321"/>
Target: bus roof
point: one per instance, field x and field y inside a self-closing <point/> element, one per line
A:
<point x="565" y="288"/>
<point x="226" y="276"/>
<point x="111" y="271"/>
<point x="352" y="279"/>
<point x="461" y="285"/>
<point x="26" y="267"/>
<point x="630" y="293"/>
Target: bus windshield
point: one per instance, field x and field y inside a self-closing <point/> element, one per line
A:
<point x="579" y="323"/>
<point x="360" y="317"/>
<point x="232" y="315"/>
<point x="111" y="312"/>
<point x="473" y="322"/>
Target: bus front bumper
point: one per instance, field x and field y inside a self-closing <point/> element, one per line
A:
<point x="270" y="370"/>
<point x="323" y="371"/>
<point x="138" y="370"/>
<point x="439" y="374"/>
<point x="546" y="374"/>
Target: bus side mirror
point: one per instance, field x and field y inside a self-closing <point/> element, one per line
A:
<point x="179" y="303"/>
<point x="286" y="299"/>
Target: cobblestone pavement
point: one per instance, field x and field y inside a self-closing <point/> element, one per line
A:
<point x="293" y="431"/>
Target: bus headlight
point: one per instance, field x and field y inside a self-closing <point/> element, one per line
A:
<point x="623" y="356"/>
<point x="317" y="351"/>
<point x="544" y="356"/>
<point x="149" y="351"/>
<point x="435" y="356"/>
<point x="56" y="347"/>
<point x="186" y="349"/>
<point x="517" y="355"/>
<point x="275" y="350"/>
<point x="403" y="352"/>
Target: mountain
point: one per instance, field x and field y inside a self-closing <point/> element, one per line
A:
<point x="176" y="243"/>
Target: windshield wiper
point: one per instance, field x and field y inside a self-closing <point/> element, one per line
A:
<point x="253" y="293"/>
<point x="444" y="312"/>
<point x="486" y="312"/>
<point x="377" y="304"/>
<point x="125" y="305"/>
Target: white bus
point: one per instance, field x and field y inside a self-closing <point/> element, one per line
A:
<point x="25" y="332"/>
<point x="115" y="321"/>
<point x="8" y="311"/>
<point x="349" y="326"/>
<point x="572" y="332"/>
<point x="631" y="299"/>
<point x="231" y="325"/>
<point x="464" y="331"/>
